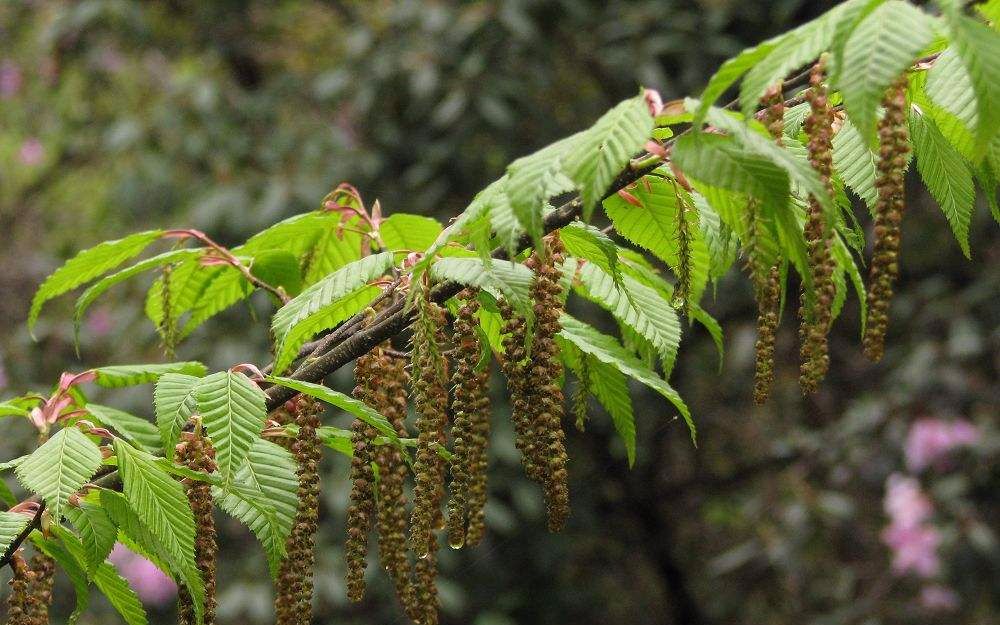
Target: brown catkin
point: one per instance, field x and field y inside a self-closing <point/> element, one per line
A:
<point x="768" y="287"/>
<point x="515" y="369"/>
<point x="361" y="511"/>
<point x="425" y="607"/>
<point x="40" y="595"/>
<point x="293" y="597"/>
<point x="894" y="139"/>
<point x="470" y="408"/>
<point x="815" y="307"/>
<point x="196" y="453"/>
<point x="391" y="516"/>
<point x="18" y="602"/>
<point x="430" y="393"/>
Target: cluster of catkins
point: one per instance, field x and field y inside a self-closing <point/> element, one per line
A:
<point x="294" y="588"/>
<point x="30" y="590"/>
<point x="815" y="308"/>
<point x="767" y="281"/>
<point x="534" y="371"/>
<point x="894" y="146"/>
<point x="196" y="453"/>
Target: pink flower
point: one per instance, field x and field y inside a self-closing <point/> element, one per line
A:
<point x="150" y="583"/>
<point x="32" y="152"/>
<point x="930" y="441"/>
<point x="100" y="323"/>
<point x="939" y="598"/>
<point x="10" y="79"/>
<point x="912" y="539"/>
<point x="914" y="549"/>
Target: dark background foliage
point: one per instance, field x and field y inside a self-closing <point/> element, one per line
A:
<point x="228" y="116"/>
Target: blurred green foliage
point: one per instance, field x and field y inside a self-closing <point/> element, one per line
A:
<point x="229" y="115"/>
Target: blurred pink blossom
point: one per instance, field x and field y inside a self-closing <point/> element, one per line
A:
<point x="150" y="583"/>
<point x="10" y="79"/>
<point x="100" y="322"/>
<point x="32" y="152"/>
<point x="939" y="598"/>
<point x="912" y="539"/>
<point x="930" y="441"/>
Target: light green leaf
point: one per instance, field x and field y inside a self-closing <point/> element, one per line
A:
<point x="609" y="351"/>
<point x="645" y="311"/>
<point x="278" y="268"/>
<point x="131" y="375"/>
<point x="714" y="329"/>
<point x="600" y="154"/>
<point x="97" y="532"/>
<point x="233" y="410"/>
<point x="404" y="232"/>
<point x="160" y="504"/>
<point x="221" y="287"/>
<point x="102" y="285"/>
<point x="979" y="48"/>
<point x="500" y="277"/>
<point x="120" y="595"/>
<point x="174" y="402"/>
<point x="356" y="407"/>
<point x="135" y="430"/>
<point x="86" y="266"/>
<point x="533" y="179"/>
<point x="946" y="175"/>
<point x="588" y="243"/>
<point x="883" y="45"/>
<point x="728" y="73"/>
<point x="610" y="387"/>
<point x="653" y="225"/>
<point x="315" y="302"/>
<point x="855" y="163"/>
<point x="59" y="468"/>
<point x="270" y="472"/>
<point x="11" y="526"/>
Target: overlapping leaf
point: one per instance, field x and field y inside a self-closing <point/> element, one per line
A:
<point x="233" y="411"/>
<point x="60" y="467"/>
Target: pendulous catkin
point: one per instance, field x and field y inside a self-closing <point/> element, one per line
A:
<point x="430" y="394"/>
<point x="767" y="287"/>
<point x="894" y="139"/>
<point x="470" y="408"/>
<point x="196" y="453"/>
<point x="19" y="600"/>
<point x="293" y="597"/>
<point x="390" y="399"/>
<point x="815" y="307"/>
<point x="425" y="605"/>
<point x="534" y="383"/>
<point x="361" y="511"/>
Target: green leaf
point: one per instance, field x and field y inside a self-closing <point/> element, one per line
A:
<point x="102" y="285"/>
<point x="161" y="506"/>
<point x="533" y="179"/>
<point x="794" y="50"/>
<point x="97" y="532"/>
<point x="637" y="306"/>
<point x="714" y="329"/>
<point x="60" y="467"/>
<point x="609" y="351"/>
<point x="720" y="161"/>
<point x="221" y="287"/>
<point x="728" y="73"/>
<point x="409" y="233"/>
<point x="653" y="225"/>
<point x="855" y="163"/>
<point x="356" y="407"/>
<point x="880" y="49"/>
<point x="233" y="410"/>
<point x="132" y="375"/>
<point x="120" y="595"/>
<point x="979" y="48"/>
<point x="135" y="430"/>
<point x="86" y="266"/>
<point x="174" y="402"/>
<point x="588" y="243"/>
<point x="610" y="387"/>
<point x="500" y="277"/>
<point x="278" y="268"/>
<point x="269" y="471"/>
<point x="317" y="301"/>
<point x="604" y="151"/>
<point x="946" y="175"/>
<point x="719" y="238"/>
<point x="11" y="526"/>
<point x="335" y="248"/>
<point x="949" y="86"/>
